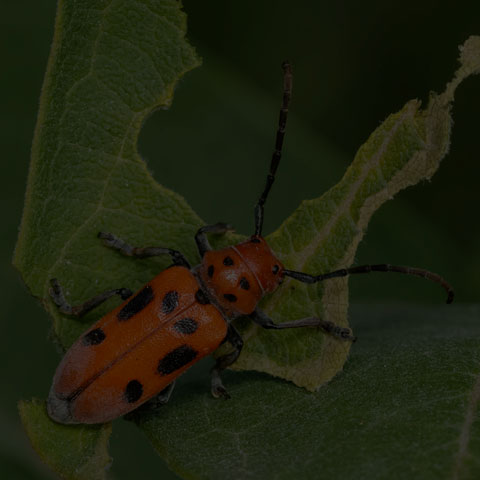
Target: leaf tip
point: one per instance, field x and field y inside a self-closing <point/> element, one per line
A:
<point x="470" y="55"/>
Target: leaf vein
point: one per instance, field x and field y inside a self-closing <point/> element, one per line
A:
<point x="371" y="163"/>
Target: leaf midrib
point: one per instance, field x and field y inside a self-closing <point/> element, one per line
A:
<point x="372" y="162"/>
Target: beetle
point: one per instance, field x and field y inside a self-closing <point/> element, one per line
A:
<point x="136" y="351"/>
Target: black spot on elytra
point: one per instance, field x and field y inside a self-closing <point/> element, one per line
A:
<point x="255" y="240"/>
<point x="133" y="391"/>
<point x="94" y="337"/>
<point x="275" y="269"/>
<point x="244" y="283"/>
<point x="210" y="270"/>
<point x="136" y="304"/>
<point x="176" y="359"/>
<point x="186" y="326"/>
<point x="230" y="297"/>
<point x="227" y="261"/>
<point x="170" y="302"/>
<point x="201" y="297"/>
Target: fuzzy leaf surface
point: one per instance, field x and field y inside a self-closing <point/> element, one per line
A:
<point x="112" y="63"/>
<point x="110" y="66"/>
<point x="405" y="406"/>
<point x="74" y="453"/>
<point x="322" y="235"/>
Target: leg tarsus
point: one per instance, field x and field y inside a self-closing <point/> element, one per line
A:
<point x="56" y="292"/>
<point x="342" y="333"/>
<point x="201" y="239"/>
<point x="218" y="390"/>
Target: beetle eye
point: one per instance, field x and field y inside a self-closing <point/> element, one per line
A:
<point x="275" y="269"/>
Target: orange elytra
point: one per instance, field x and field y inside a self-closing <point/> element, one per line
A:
<point x="135" y="352"/>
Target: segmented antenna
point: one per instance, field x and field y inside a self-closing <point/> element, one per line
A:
<point x="419" y="272"/>
<point x="277" y="153"/>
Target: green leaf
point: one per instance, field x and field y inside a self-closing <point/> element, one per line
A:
<point x="74" y="453"/>
<point x="110" y="66"/>
<point x="406" y="406"/>
<point x="112" y="63"/>
<point x="323" y="234"/>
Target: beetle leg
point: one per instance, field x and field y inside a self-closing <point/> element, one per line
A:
<point x="164" y="396"/>
<point x="201" y="238"/>
<point x="342" y="333"/>
<point x="161" y="398"/>
<point x="56" y="292"/>
<point x="113" y="241"/>
<point x="218" y="390"/>
<point x="151" y="405"/>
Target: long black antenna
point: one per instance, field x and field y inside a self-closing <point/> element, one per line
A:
<point x="419" y="272"/>
<point x="277" y="153"/>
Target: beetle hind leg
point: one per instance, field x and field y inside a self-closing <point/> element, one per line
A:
<point x="153" y="404"/>
<point x="56" y="292"/>
<point x="223" y="362"/>
<point x="160" y="398"/>
<point x="164" y="396"/>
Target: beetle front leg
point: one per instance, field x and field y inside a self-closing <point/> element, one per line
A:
<point x="56" y="292"/>
<point x="112" y="241"/>
<point x="342" y="333"/>
<point x="218" y="390"/>
<point x="201" y="239"/>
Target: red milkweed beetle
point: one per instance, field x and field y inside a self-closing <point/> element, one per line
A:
<point x="136" y="351"/>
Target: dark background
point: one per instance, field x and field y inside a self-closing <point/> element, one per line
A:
<point x="354" y="64"/>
